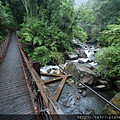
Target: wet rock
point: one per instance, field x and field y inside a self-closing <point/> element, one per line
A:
<point x="109" y="109"/>
<point x="81" y="53"/>
<point x="80" y="61"/>
<point x="80" y="86"/>
<point x="49" y="70"/>
<point x="86" y="47"/>
<point x="77" y="43"/>
<point x="70" y="81"/>
<point x="78" y="97"/>
<point x="103" y="82"/>
<point x="80" y="91"/>
<point x="102" y="87"/>
<point x="81" y="72"/>
<point x="89" y="66"/>
<point x="57" y="71"/>
<point x="90" y="60"/>
<point x="91" y="47"/>
<point x="63" y="67"/>
<point x="72" y="56"/>
<point x="95" y="50"/>
<point x="54" y="68"/>
<point x="84" y="94"/>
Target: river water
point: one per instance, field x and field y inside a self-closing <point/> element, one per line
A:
<point x="73" y="102"/>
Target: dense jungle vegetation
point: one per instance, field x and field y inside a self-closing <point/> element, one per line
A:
<point x="47" y="28"/>
<point x="7" y="20"/>
<point x="106" y="30"/>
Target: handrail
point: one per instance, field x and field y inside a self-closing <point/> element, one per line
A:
<point x="4" y="46"/>
<point x="41" y="92"/>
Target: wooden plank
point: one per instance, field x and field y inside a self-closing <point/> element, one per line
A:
<point x="52" y="105"/>
<point x="52" y="80"/>
<point x="61" y="85"/>
<point x="48" y="74"/>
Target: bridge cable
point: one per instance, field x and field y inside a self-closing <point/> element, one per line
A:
<point x="89" y="88"/>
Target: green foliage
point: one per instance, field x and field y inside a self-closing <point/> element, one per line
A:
<point x="111" y="36"/>
<point x="6" y="20"/>
<point x="85" y="18"/>
<point x="41" y="54"/>
<point x="108" y="60"/>
<point x="78" y="33"/>
<point x="109" y="57"/>
<point x="17" y="9"/>
<point x="52" y="29"/>
<point x="42" y="42"/>
<point x="105" y="12"/>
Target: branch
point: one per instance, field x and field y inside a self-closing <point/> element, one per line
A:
<point x="25" y="5"/>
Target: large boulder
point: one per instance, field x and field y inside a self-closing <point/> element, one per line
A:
<point x="81" y="53"/>
<point x="108" y="109"/>
<point x="81" y="72"/>
<point x="72" y="56"/>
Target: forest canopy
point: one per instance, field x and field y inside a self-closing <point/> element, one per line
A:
<point x="48" y="33"/>
<point x="47" y="28"/>
<point x="7" y="20"/>
<point x="106" y="31"/>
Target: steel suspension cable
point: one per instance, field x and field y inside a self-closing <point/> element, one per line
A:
<point x="89" y="88"/>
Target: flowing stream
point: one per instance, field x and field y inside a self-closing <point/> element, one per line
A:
<point x="71" y="100"/>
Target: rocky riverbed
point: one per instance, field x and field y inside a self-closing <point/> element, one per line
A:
<point x="75" y="98"/>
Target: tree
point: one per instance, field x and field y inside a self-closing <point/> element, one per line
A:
<point x="6" y="20"/>
<point x="85" y="19"/>
<point x="105" y="12"/>
<point x="49" y="34"/>
<point x="16" y="8"/>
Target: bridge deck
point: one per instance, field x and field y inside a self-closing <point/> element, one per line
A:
<point x="14" y="94"/>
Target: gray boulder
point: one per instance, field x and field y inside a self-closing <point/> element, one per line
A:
<point x="72" y="56"/>
<point x="81" y="72"/>
<point x="81" y="53"/>
<point x="80" y="61"/>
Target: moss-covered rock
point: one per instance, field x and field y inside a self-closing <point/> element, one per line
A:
<point x="109" y="109"/>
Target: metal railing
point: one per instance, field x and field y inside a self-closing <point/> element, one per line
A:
<point x="38" y="100"/>
<point x="3" y="47"/>
<point x="46" y="107"/>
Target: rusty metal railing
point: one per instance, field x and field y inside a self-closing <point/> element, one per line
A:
<point x="45" y="105"/>
<point x="3" y="47"/>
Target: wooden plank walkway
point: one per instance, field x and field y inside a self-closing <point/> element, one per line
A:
<point x="14" y="94"/>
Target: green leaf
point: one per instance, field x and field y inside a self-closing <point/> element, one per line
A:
<point x="28" y="39"/>
<point x="35" y="40"/>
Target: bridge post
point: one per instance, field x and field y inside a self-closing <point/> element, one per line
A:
<point x="36" y="66"/>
